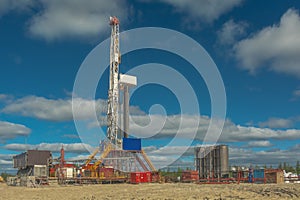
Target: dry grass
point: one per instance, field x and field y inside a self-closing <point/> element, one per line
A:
<point x="154" y="191"/>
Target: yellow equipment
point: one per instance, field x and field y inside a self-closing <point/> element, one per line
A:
<point x="100" y="160"/>
<point x="148" y="161"/>
<point x="92" y="156"/>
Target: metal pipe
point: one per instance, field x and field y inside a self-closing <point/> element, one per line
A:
<point x="126" y="111"/>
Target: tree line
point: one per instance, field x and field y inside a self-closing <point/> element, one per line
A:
<point x="284" y="166"/>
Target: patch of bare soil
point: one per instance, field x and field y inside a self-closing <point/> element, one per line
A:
<point x="167" y="191"/>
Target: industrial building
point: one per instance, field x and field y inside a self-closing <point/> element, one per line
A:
<point x="33" y="163"/>
<point x="33" y="168"/>
<point x="212" y="161"/>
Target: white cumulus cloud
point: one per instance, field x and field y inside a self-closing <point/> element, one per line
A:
<point x="75" y="18"/>
<point x="157" y="126"/>
<point x="231" y="31"/>
<point x="6" y="162"/>
<point x="60" y="110"/>
<point x="264" y="143"/>
<point x="277" y="123"/>
<point x="276" y="47"/>
<point x="15" y="5"/>
<point x="54" y="109"/>
<point x="53" y="147"/>
<point x="247" y="157"/>
<point x="204" y="10"/>
<point x="10" y="130"/>
<point x="145" y="126"/>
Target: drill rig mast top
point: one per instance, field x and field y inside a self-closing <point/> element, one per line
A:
<point x="113" y="92"/>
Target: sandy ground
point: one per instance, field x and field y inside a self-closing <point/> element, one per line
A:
<point x="154" y="191"/>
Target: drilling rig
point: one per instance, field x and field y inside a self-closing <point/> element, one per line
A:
<point x="119" y="152"/>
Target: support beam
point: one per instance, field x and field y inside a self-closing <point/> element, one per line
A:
<point x="126" y="111"/>
<point x="126" y="81"/>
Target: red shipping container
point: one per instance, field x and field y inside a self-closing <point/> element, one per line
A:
<point x="145" y="177"/>
<point x="190" y="176"/>
<point x="135" y="177"/>
<point x="140" y="177"/>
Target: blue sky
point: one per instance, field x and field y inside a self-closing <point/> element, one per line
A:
<point x="255" y="45"/>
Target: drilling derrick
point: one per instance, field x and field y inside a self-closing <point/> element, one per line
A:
<point x="121" y="156"/>
<point x="113" y="92"/>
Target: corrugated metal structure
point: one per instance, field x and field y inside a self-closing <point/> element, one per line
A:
<point x="31" y="158"/>
<point x="212" y="161"/>
<point x="140" y="177"/>
<point x="20" y="161"/>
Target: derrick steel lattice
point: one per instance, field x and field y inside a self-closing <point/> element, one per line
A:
<point x="113" y="92"/>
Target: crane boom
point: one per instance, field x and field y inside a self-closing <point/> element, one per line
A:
<point x="104" y="154"/>
<point x="92" y="156"/>
<point x="113" y="92"/>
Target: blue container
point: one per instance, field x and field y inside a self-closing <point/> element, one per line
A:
<point x="132" y="144"/>
<point x="259" y="173"/>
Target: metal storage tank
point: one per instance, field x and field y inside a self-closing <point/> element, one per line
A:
<point x="224" y="160"/>
<point x="212" y="161"/>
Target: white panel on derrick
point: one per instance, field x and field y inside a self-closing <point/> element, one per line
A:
<point x="128" y="80"/>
